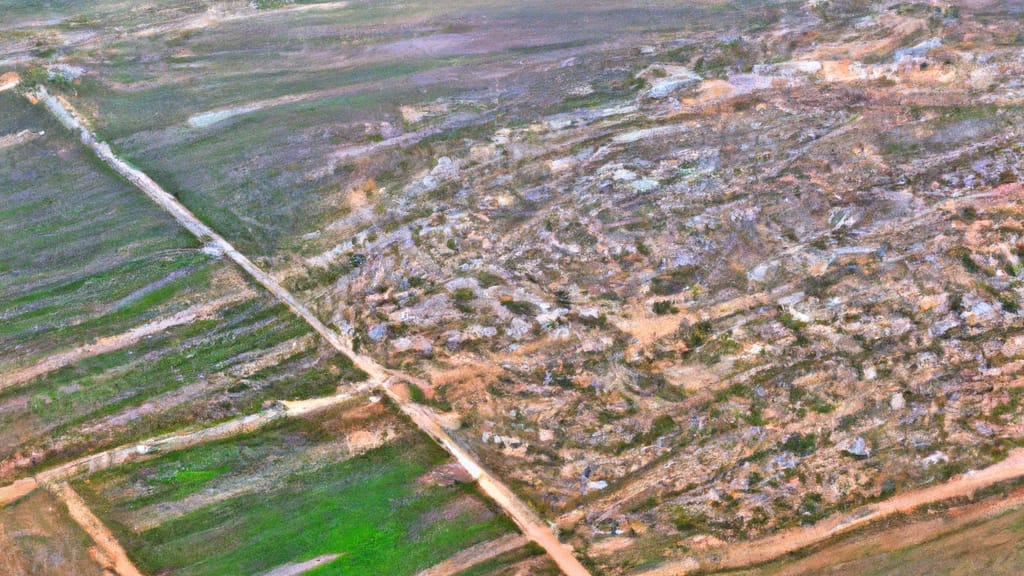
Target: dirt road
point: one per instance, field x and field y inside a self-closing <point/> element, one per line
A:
<point x="427" y="420"/>
<point x="95" y="528"/>
<point x="15" y="491"/>
<point x="9" y="80"/>
<point x="787" y="541"/>
<point x="215" y="17"/>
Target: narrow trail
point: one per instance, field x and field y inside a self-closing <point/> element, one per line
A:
<point x="163" y="444"/>
<point x="787" y="541"/>
<point x="527" y="520"/>
<point x="475" y="555"/>
<point x="96" y="530"/>
<point x="17" y="489"/>
<point x="117" y="341"/>
<point x="18" y="138"/>
<point x="9" y="80"/>
<point x="297" y="568"/>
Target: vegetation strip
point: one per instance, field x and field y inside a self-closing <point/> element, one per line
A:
<point x="426" y="420"/>
<point x="161" y="444"/>
<point x="118" y="341"/>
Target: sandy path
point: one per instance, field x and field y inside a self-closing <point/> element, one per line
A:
<point x="95" y="528"/>
<point x="296" y="568"/>
<point x="18" y="138"/>
<point x="159" y="445"/>
<point x="218" y="115"/>
<point x="296" y="408"/>
<point x="118" y="341"/>
<point x="787" y="541"/>
<point x="425" y="419"/>
<point x="14" y="491"/>
<point x="474" y="555"/>
<point x="9" y="80"/>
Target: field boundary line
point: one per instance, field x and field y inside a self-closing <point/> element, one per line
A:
<point x="476" y="554"/>
<point x="15" y="490"/>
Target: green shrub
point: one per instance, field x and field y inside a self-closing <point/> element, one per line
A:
<point x="800" y="444"/>
<point x="563" y="299"/>
<point x="686" y="520"/>
<point x="463" y="294"/>
<point x="416" y="394"/>
<point x="661" y="426"/>
<point x="696" y="335"/>
<point x="662" y="307"/>
<point x="519" y="306"/>
<point x="34" y="76"/>
<point x="487" y="279"/>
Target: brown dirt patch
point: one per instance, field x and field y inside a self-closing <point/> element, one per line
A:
<point x="37" y="537"/>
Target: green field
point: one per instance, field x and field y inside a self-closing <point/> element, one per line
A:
<point x="88" y="256"/>
<point x="84" y="253"/>
<point x="374" y="509"/>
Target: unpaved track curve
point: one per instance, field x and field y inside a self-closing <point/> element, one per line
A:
<point x="530" y="523"/>
<point x="917" y="533"/>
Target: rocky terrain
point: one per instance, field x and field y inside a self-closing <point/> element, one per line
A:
<point x="683" y="275"/>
